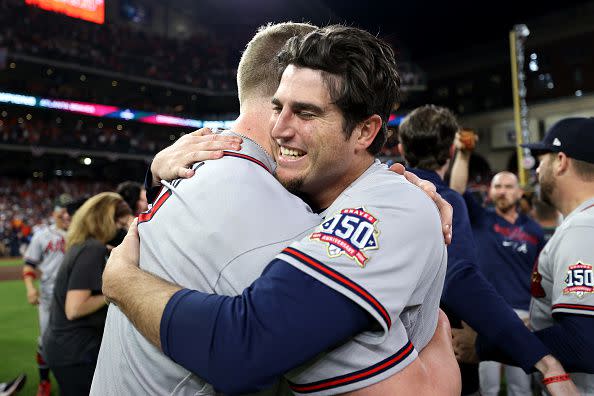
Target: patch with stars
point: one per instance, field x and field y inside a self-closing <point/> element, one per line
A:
<point x="350" y="232"/>
<point x="579" y="279"/>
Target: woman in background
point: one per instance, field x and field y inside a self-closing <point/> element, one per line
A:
<point x="78" y="310"/>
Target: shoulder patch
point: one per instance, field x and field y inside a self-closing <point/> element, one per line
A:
<point x="579" y="280"/>
<point x="349" y="232"/>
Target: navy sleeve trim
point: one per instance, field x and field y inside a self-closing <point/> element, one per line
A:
<point x="340" y="279"/>
<point x="574" y="308"/>
<point x="356" y="376"/>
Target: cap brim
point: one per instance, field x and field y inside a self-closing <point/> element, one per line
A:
<point x="538" y="148"/>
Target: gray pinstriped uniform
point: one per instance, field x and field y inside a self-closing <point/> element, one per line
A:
<point x="564" y="282"/>
<point x="46" y="252"/>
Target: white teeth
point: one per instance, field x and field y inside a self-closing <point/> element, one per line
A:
<point x="289" y="152"/>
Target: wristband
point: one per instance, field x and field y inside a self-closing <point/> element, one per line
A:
<point x="556" y="378"/>
<point x="30" y="274"/>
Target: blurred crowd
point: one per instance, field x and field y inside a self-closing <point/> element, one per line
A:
<point x="76" y="134"/>
<point x="201" y="61"/>
<point x="26" y="206"/>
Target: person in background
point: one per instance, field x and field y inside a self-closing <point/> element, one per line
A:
<point x="546" y="215"/>
<point x="71" y="343"/>
<point x="135" y="196"/>
<point x="426" y="143"/>
<point x="44" y="256"/>
<point x="509" y="242"/>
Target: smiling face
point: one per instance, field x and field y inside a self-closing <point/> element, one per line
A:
<point x="314" y="155"/>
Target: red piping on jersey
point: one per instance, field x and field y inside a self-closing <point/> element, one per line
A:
<point x="574" y="306"/>
<point x="337" y="277"/>
<point x="358" y="376"/>
<point x="142" y="217"/>
<point x="587" y="207"/>
<point x="247" y="157"/>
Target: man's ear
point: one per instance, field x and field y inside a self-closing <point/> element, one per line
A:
<point x="367" y="130"/>
<point x="561" y="163"/>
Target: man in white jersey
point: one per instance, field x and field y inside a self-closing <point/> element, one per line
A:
<point x="44" y="255"/>
<point x="562" y="308"/>
<point x="378" y="343"/>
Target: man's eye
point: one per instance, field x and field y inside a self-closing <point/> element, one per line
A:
<point x="305" y="114"/>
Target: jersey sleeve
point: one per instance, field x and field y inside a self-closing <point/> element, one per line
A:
<point x="34" y="251"/>
<point x="88" y="269"/>
<point x="375" y="255"/>
<point x="573" y="285"/>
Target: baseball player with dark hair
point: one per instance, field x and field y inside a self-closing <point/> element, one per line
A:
<point x="44" y="255"/>
<point x="343" y="283"/>
<point x="426" y="143"/>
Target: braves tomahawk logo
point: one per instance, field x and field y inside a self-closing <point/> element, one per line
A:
<point x="579" y="280"/>
<point x="350" y="232"/>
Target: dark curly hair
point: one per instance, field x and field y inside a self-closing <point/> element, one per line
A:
<point x="426" y="135"/>
<point x="358" y="69"/>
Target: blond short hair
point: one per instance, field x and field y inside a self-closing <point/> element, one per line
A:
<point x="96" y="218"/>
<point x="257" y="73"/>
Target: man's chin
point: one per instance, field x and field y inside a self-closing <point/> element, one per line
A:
<point x="293" y="185"/>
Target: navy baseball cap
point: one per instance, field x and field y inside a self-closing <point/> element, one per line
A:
<point x="573" y="136"/>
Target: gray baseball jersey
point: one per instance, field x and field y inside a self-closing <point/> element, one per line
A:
<point x="563" y="280"/>
<point x="380" y="244"/>
<point x="45" y="252"/>
<point x="214" y="232"/>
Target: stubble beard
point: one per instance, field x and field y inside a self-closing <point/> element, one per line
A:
<point x="293" y="185"/>
<point x="547" y="186"/>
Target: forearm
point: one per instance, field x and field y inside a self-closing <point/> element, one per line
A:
<point x="459" y="172"/>
<point x="142" y="297"/>
<point x="85" y="307"/>
<point x="28" y="279"/>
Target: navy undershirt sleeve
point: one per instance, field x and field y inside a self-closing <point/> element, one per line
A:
<point x="569" y="340"/>
<point x="470" y="297"/>
<point x="243" y="344"/>
<point x="476" y="212"/>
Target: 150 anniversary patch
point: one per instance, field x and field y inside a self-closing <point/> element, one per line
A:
<point x="350" y="232"/>
<point x="579" y="280"/>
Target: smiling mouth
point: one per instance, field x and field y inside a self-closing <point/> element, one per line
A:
<point x="292" y="154"/>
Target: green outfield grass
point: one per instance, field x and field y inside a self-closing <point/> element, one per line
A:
<point x="18" y="335"/>
<point x="10" y="261"/>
